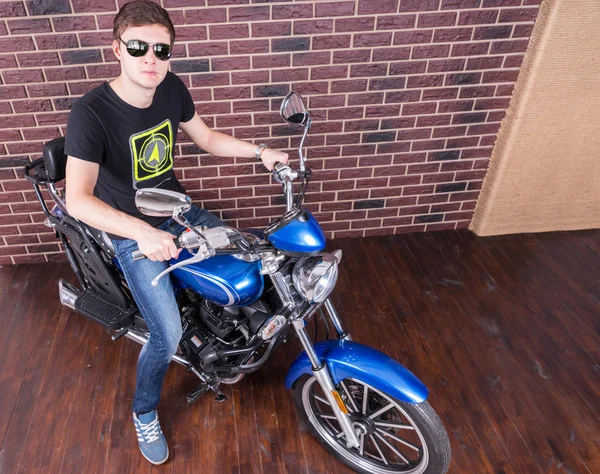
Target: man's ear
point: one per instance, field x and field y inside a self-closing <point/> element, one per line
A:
<point x="116" y="49"/>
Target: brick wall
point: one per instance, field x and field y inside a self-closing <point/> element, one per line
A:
<point x="406" y="95"/>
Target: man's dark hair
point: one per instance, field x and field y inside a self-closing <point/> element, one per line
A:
<point x="142" y="13"/>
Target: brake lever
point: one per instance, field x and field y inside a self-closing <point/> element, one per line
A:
<point x="200" y="255"/>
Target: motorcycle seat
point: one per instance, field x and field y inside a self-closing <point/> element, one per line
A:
<point x="55" y="159"/>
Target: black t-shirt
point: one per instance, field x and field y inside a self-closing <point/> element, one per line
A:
<point x="133" y="146"/>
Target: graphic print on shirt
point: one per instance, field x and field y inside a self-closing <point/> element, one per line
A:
<point x="151" y="152"/>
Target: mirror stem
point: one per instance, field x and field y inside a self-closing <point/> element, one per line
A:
<point x="301" y="150"/>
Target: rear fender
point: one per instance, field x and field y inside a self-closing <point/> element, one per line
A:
<point x="348" y="359"/>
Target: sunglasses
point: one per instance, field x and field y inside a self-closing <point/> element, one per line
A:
<point x="138" y="48"/>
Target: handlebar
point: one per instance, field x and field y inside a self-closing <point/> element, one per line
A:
<point x="138" y="255"/>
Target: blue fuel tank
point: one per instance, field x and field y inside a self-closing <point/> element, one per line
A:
<point x="223" y="279"/>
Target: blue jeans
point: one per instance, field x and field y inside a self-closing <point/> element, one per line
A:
<point x="159" y="309"/>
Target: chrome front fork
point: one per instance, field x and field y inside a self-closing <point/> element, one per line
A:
<point x="321" y="373"/>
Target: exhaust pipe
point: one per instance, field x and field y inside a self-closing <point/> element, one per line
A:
<point x="67" y="293"/>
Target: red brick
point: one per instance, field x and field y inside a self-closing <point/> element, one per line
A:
<point x="329" y="72"/>
<point x="412" y="37"/>
<point x="271" y="61"/>
<point x="254" y="13"/>
<point x="16" y="44"/>
<point x="397" y="221"/>
<point x="8" y="61"/>
<point x="86" y="39"/>
<point x="205" y="15"/>
<point x="477" y="91"/>
<point x="229" y="31"/>
<point x="490" y="62"/>
<point x="428" y="145"/>
<point x="22" y="76"/>
<point x="403" y="96"/>
<point x="382" y="111"/>
<point x="311" y="59"/>
<point x="419" y="109"/>
<point x="331" y="42"/>
<point x="414" y="134"/>
<point x="514" y="61"/>
<point x="353" y="56"/>
<point x="500" y="76"/>
<point x="440" y="94"/>
<point x="288" y="75"/>
<point x="212" y="48"/>
<point x="92" y="6"/>
<point x="334" y="9"/>
<point x="308" y="88"/>
<point x="445" y="65"/>
<point x="29" y="26"/>
<point x="230" y="63"/>
<point x="522" y="31"/>
<point x="372" y="39"/>
<point x="250" y="77"/>
<point x="433" y="20"/>
<point x="425" y="81"/>
<point x="513" y="15"/>
<point x="12" y="9"/>
<point x="487" y="104"/>
<point x="396" y="22"/>
<point x="391" y="54"/>
<point x="479" y="17"/>
<point x="503" y="47"/>
<point x="283" y="12"/>
<point x="470" y="49"/>
<point x="74" y="23"/>
<point x="312" y="26"/>
<point x="433" y="120"/>
<point x="93" y="72"/>
<point x="229" y="93"/>
<point x="455" y="106"/>
<point x="206" y="80"/>
<point x="33" y="105"/>
<point x="449" y="35"/>
<point x="346" y="113"/>
<point x="418" y="5"/>
<point x="407" y="67"/>
<point x="431" y="51"/>
<point x="368" y="70"/>
<point x="354" y="24"/>
<point x="327" y="101"/>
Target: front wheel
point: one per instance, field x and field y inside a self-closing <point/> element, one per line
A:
<point x="395" y="437"/>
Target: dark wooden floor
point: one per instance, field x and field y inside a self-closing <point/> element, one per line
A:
<point x="504" y="331"/>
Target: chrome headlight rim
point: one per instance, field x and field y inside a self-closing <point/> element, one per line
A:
<point x="309" y="272"/>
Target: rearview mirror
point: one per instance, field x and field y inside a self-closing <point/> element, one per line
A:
<point x="293" y="110"/>
<point x="161" y="202"/>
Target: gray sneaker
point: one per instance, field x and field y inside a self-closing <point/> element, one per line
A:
<point x="153" y="444"/>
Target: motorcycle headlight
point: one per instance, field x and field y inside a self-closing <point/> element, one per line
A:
<point x="315" y="277"/>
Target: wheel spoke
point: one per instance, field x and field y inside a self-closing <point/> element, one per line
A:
<point x="394" y="450"/>
<point x="340" y="434"/>
<point x="365" y="399"/>
<point x="379" y="412"/>
<point x="322" y="400"/>
<point x="379" y="450"/>
<point x="328" y="417"/>
<point x="400" y="440"/>
<point x="361" y="448"/>
<point x="350" y="397"/>
<point x="397" y="426"/>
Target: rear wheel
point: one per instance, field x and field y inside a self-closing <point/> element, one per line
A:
<point x="395" y="437"/>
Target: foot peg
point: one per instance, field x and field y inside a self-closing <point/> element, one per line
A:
<point x="207" y="384"/>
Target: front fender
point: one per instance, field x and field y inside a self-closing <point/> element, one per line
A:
<point x="351" y="359"/>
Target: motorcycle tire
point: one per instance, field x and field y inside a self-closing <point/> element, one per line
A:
<point x="425" y="428"/>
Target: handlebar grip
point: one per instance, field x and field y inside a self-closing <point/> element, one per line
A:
<point x="138" y="255"/>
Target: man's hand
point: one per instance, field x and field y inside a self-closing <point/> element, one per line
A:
<point x="269" y="157"/>
<point x="156" y="244"/>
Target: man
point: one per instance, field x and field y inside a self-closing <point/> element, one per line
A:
<point x="120" y="138"/>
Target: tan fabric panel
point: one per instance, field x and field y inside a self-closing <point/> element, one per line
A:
<point x="544" y="173"/>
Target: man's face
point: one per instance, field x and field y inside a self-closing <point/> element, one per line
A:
<point x="147" y="71"/>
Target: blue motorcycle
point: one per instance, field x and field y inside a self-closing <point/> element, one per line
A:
<point x="241" y="296"/>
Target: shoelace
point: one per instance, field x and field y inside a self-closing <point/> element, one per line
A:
<point x="151" y="430"/>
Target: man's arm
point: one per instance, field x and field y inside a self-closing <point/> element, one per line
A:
<point x="81" y="177"/>
<point x="220" y="144"/>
